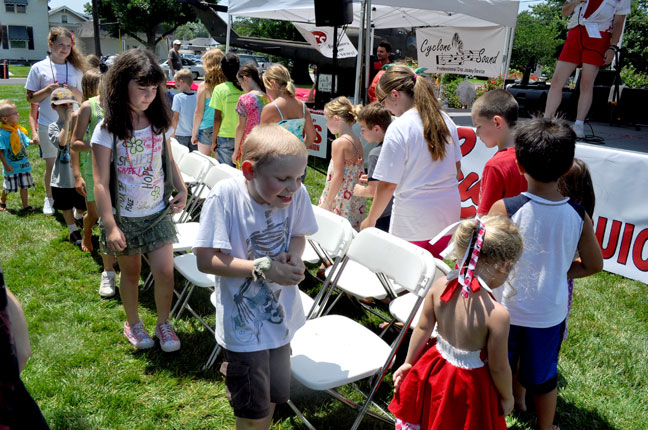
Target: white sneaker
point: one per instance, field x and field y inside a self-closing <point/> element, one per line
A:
<point x="48" y="206"/>
<point x="78" y="215"/>
<point x="579" y="129"/>
<point x="107" y="285"/>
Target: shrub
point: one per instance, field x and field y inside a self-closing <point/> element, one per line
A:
<point x="633" y="78"/>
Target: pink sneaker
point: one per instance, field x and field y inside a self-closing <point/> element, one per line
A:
<point x="138" y="336"/>
<point x="169" y="342"/>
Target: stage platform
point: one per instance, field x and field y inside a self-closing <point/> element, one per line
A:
<point x="625" y="137"/>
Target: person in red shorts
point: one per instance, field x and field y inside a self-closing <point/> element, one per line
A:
<point x="595" y="27"/>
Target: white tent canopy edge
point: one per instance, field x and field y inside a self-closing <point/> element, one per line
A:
<point x="391" y="14"/>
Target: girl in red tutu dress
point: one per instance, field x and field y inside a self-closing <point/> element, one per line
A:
<point x="448" y="382"/>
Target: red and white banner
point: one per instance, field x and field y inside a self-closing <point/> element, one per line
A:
<point x="318" y="148"/>
<point x="620" y="216"/>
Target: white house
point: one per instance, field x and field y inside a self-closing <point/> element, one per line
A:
<point x="24" y="27"/>
<point x="65" y="17"/>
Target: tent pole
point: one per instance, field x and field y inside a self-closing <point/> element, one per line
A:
<point x="227" y="36"/>
<point x="368" y="45"/>
<point x="356" y="91"/>
<point x="511" y="34"/>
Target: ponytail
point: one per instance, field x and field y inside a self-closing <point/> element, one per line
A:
<point x="421" y="89"/>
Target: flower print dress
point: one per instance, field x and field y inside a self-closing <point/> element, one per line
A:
<point x="346" y="205"/>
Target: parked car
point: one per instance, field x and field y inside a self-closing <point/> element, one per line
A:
<point x="196" y="69"/>
<point x="193" y="57"/>
<point x="247" y="58"/>
<point x="263" y="62"/>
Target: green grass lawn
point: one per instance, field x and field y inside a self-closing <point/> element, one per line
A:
<point x="85" y="375"/>
<point x="19" y="71"/>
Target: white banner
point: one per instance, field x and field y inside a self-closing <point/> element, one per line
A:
<point x="620" y="215"/>
<point x="461" y="50"/>
<point x="318" y="148"/>
<point x="321" y="38"/>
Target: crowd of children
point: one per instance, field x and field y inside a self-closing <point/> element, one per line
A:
<point x="113" y="157"/>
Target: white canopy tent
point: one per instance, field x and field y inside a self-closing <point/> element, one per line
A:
<point x="392" y="14"/>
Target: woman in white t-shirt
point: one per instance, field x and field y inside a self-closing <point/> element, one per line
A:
<point x="420" y="161"/>
<point x="595" y="27"/>
<point x="134" y="176"/>
<point x="63" y="67"/>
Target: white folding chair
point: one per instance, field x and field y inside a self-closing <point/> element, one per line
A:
<point x="178" y="150"/>
<point x="330" y="243"/>
<point x="187" y="266"/>
<point x="331" y="351"/>
<point x="215" y="174"/>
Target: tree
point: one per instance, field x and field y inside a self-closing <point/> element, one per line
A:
<point x="268" y="28"/>
<point x="634" y="37"/>
<point x="153" y="18"/>
<point x="191" y="30"/>
<point x="540" y="34"/>
<point x="534" y="39"/>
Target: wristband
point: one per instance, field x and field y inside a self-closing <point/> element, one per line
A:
<point x="261" y="266"/>
<point x="614" y="48"/>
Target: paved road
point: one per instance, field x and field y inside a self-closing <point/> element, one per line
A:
<point x="13" y="81"/>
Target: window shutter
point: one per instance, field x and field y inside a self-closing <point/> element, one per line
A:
<point x="5" y="37"/>
<point x="30" y="33"/>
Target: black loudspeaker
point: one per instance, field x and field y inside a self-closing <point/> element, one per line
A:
<point x="329" y="13"/>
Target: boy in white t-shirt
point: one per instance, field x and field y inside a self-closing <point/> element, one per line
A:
<point x="252" y="234"/>
<point x="183" y="108"/>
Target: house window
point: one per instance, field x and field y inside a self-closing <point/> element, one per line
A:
<point x="21" y="8"/>
<point x="10" y="8"/>
<point x="64" y="19"/>
<point x="19" y="36"/>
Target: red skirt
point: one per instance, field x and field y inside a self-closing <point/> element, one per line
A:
<point x="439" y="395"/>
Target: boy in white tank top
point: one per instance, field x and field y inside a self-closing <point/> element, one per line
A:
<point x="553" y="229"/>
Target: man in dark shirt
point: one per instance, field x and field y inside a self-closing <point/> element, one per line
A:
<point x="174" y="60"/>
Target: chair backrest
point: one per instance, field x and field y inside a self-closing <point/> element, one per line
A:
<point x="209" y="158"/>
<point x="408" y="265"/>
<point x="218" y="173"/>
<point x="195" y="165"/>
<point x="334" y="233"/>
<point x="178" y="150"/>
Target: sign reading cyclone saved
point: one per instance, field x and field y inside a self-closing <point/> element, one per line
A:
<point x="461" y="50"/>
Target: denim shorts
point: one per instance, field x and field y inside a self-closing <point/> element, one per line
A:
<point x="255" y="379"/>
<point x="143" y="234"/>
<point x="225" y="149"/>
<point x="537" y="351"/>
<point x="205" y="136"/>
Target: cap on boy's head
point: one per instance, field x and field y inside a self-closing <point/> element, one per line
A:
<point x="544" y="147"/>
<point x="62" y="96"/>
<point x="177" y="42"/>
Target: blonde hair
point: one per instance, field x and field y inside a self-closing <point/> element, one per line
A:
<point x="342" y="107"/>
<point x="421" y="89"/>
<point x="211" y="62"/>
<point x="266" y="142"/>
<point x="280" y="76"/>
<point x="7" y="104"/>
<point x="74" y="57"/>
<point x="373" y="114"/>
<point x="91" y="83"/>
<point x="185" y="75"/>
<point x="502" y="240"/>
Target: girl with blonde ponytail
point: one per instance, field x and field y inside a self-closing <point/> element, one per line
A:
<point x="420" y="162"/>
<point x="285" y="109"/>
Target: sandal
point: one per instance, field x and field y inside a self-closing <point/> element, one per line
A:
<point x="28" y="208"/>
<point x="3" y="206"/>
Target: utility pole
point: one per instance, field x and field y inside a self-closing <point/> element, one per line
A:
<point x="95" y="27"/>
